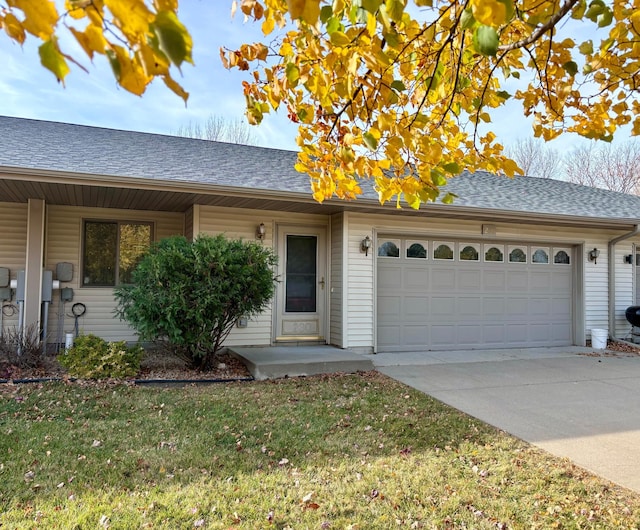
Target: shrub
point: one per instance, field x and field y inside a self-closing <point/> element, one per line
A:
<point x="94" y="358"/>
<point x="192" y="293"/>
<point x="22" y="348"/>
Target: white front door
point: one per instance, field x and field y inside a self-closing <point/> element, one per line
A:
<point x="301" y="293"/>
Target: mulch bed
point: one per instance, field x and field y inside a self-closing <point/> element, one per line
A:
<point x="157" y="368"/>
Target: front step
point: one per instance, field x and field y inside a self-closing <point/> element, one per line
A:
<point x="275" y="362"/>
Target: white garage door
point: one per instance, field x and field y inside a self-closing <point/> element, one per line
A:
<point x="446" y="295"/>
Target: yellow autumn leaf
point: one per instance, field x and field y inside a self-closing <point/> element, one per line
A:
<point x="131" y="16"/>
<point x="41" y="16"/>
<point x="13" y="28"/>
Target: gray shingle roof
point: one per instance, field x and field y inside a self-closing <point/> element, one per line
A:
<point x="51" y="146"/>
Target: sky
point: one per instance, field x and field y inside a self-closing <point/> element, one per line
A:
<point x="28" y="90"/>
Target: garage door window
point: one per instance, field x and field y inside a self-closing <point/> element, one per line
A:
<point x="443" y="251"/>
<point x="417" y="250"/>
<point x="494" y="254"/>
<point x="562" y="257"/>
<point x="389" y="249"/>
<point x="469" y="253"/>
<point x="517" y="255"/>
<point x="541" y="255"/>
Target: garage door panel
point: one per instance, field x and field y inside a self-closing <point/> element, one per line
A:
<point x="415" y="307"/>
<point x="517" y="280"/>
<point x="443" y="335"/>
<point x="443" y="279"/>
<point x="445" y="305"/>
<point x="389" y="307"/>
<point x="468" y="335"/>
<point x="443" y="308"/>
<point x="468" y="307"/>
<point x="416" y="279"/>
<point x="470" y="280"/>
<point x="494" y="280"/>
<point x="492" y="307"/>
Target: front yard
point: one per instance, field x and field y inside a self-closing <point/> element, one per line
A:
<point x="342" y="451"/>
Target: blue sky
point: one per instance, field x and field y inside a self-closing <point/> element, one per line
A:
<point x="28" y="90"/>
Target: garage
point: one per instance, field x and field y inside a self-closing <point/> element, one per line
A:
<point x="454" y="294"/>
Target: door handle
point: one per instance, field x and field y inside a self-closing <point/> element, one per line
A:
<point x="321" y="282"/>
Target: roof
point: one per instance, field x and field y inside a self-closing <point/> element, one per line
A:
<point x="44" y="146"/>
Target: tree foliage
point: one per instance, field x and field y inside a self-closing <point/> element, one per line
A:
<point x="535" y="158"/>
<point x="140" y="39"/>
<point x="219" y="129"/>
<point x="611" y="167"/>
<point x="403" y="91"/>
<point x="191" y="294"/>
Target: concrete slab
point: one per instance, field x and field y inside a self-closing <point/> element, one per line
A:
<point x="576" y="403"/>
<point x="292" y="361"/>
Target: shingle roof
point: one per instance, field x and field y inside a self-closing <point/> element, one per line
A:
<point x="51" y="146"/>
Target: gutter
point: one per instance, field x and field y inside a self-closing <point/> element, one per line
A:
<point x="612" y="278"/>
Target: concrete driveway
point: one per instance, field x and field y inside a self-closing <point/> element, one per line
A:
<point x="573" y="402"/>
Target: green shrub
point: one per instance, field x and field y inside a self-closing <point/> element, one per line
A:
<point x="94" y="358"/>
<point x="191" y="294"/>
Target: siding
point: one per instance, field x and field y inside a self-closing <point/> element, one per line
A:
<point x="241" y="224"/>
<point x="361" y="290"/>
<point x="337" y="289"/>
<point x="13" y="237"/>
<point x="64" y="242"/>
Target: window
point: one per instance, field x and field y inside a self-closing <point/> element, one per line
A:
<point x="389" y="249"/>
<point x="469" y="253"/>
<point x="562" y="257"/>
<point x="443" y="251"/>
<point x="493" y="254"/>
<point x="517" y="255"/>
<point x="112" y="250"/>
<point x="417" y="250"/>
<point x="540" y="256"/>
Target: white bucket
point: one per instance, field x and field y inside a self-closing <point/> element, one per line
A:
<point x="68" y="341"/>
<point x="599" y="338"/>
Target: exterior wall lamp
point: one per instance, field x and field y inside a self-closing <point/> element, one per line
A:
<point x="593" y="255"/>
<point x="261" y="231"/>
<point x="365" y="245"/>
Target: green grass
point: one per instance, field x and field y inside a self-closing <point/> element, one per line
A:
<point x="359" y="451"/>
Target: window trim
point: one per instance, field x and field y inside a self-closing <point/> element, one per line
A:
<point x="118" y="223"/>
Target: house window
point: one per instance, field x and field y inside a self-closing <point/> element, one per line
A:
<point x="562" y="257"/>
<point x="540" y="256"/>
<point x="493" y="254"/>
<point x="517" y="255"/>
<point x="389" y="249"/>
<point x="468" y="253"/>
<point x="417" y="250"/>
<point x="443" y="250"/>
<point x="112" y="250"/>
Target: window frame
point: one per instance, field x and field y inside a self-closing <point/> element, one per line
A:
<point x="118" y="223"/>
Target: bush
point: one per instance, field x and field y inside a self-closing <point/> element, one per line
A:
<point x="94" y="358"/>
<point x="23" y="349"/>
<point x="191" y="294"/>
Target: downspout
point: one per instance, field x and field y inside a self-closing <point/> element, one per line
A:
<point x="612" y="278"/>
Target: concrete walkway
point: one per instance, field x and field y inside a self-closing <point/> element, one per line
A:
<point x="573" y="402"/>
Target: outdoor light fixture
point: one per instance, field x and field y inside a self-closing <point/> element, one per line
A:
<point x="261" y="231"/>
<point x="365" y="245"/>
<point x="593" y="255"/>
<point x="628" y="259"/>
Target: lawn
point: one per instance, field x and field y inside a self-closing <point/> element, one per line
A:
<point x="343" y="451"/>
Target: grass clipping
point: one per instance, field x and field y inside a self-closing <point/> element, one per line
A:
<point x="343" y="451"/>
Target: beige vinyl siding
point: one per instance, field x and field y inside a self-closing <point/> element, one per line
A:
<point x="13" y="237"/>
<point x="596" y="284"/>
<point x="337" y="290"/>
<point x="360" y="333"/>
<point x="64" y="243"/>
<point x="242" y="224"/>
<point x="624" y="288"/>
<point x="188" y="224"/>
<point x="360" y="295"/>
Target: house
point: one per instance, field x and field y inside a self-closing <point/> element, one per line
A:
<point x="522" y="262"/>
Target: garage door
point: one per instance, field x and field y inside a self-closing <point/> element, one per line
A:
<point x="446" y="295"/>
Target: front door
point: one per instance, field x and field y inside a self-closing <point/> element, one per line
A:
<point x="301" y="295"/>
